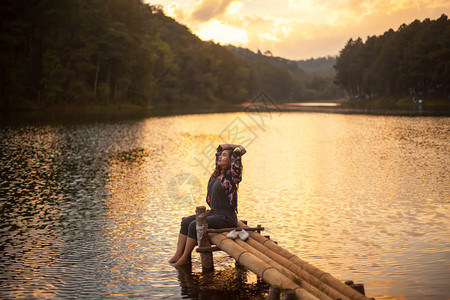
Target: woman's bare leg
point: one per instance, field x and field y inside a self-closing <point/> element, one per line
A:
<point x="184" y="259"/>
<point x="180" y="248"/>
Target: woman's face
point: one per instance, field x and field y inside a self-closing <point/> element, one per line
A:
<point x="224" y="159"/>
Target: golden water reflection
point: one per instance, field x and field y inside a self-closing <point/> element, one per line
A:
<point x="362" y="197"/>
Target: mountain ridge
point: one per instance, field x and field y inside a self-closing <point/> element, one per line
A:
<point x="312" y="66"/>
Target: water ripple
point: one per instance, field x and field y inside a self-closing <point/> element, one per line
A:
<point x="93" y="210"/>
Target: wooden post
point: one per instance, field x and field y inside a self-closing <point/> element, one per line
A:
<point x="274" y="293"/>
<point x="359" y="287"/>
<point x="288" y="294"/>
<point x="202" y="237"/>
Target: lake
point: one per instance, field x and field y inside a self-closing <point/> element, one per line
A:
<point x="92" y="209"/>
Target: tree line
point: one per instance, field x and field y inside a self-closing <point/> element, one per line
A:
<point x="414" y="60"/>
<point x="297" y="80"/>
<point x="78" y="52"/>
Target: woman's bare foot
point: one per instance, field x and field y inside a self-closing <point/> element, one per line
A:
<point x="181" y="262"/>
<point x="174" y="259"/>
<point x="185" y="258"/>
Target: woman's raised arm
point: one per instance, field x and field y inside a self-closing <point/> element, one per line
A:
<point x="233" y="146"/>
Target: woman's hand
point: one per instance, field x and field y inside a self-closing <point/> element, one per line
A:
<point x="240" y="149"/>
<point x="234" y="147"/>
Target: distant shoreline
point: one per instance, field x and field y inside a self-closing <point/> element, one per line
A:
<point x="129" y="112"/>
<point x="377" y="106"/>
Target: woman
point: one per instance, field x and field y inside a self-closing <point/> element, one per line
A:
<point x="221" y="197"/>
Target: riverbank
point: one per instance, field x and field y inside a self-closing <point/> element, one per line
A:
<point x="365" y="109"/>
<point x="400" y="106"/>
<point x="73" y="114"/>
<point x="105" y="113"/>
<point x="376" y="106"/>
<point x="404" y="102"/>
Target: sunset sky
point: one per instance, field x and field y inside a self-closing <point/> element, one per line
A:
<point x="297" y="29"/>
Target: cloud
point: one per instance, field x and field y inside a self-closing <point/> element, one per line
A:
<point x="328" y="25"/>
<point x="202" y="11"/>
<point x="298" y="29"/>
<point x="219" y="32"/>
<point x="206" y="10"/>
<point x="300" y="40"/>
<point x="176" y="11"/>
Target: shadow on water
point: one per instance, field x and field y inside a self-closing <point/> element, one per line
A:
<point x="52" y="202"/>
<point x="111" y="115"/>
<point x="360" y="108"/>
<point x="225" y="284"/>
<point x="86" y="116"/>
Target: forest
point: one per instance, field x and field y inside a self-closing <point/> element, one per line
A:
<point x="108" y="52"/>
<point x="97" y="52"/>
<point x="412" y="61"/>
<point x="311" y="79"/>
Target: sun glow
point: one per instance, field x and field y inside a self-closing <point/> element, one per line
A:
<point x="219" y="32"/>
<point x="297" y="29"/>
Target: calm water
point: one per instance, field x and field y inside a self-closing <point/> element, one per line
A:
<point x="92" y="210"/>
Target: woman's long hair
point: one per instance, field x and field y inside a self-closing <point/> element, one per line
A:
<point x="218" y="170"/>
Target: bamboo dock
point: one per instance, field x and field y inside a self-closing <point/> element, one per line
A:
<point x="283" y="271"/>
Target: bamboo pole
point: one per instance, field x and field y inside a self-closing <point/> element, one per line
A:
<point x="207" y="249"/>
<point x="220" y="230"/>
<point x="319" y="274"/>
<point x="268" y="273"/>
<point x="283" y="270"/>
<point x="311" y="280"/>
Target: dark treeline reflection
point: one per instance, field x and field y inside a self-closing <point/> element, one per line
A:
<point x="53" y="193"/>
<point x="79" y="52"/>
<point x="224" y="284"/>
<point x="414" y="60"/>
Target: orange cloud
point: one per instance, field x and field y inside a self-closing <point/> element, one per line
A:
<point x="206" y="10"/>
<point x="299" y="29"/>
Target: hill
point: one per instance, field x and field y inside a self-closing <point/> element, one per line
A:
<point x="319" y="66"/>
<point x="95" y="52"/>
<point x="316" y="76"/>
<point x="314" y="66"/>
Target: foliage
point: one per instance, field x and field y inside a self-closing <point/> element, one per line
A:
<point x="112" y="52"/>
<point x="319" y="66"/>
<point x="414" y="60"/>
<point x="288" y="80"/>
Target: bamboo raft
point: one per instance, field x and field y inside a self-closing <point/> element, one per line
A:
<point x="287" y="274"/>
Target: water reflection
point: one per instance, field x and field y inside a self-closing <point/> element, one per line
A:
<point x="50" y="194"/>
<point x="93" y="210"/>
<point x="223" y="284"/>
